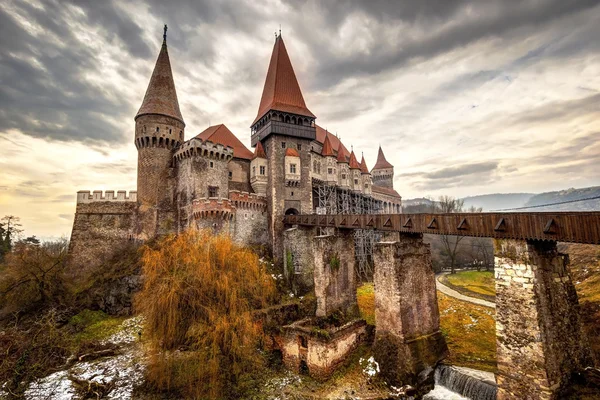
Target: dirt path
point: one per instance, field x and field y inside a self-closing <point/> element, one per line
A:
<point x="453" y="293"/>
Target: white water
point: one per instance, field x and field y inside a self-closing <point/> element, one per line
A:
<point x="458" y="383"/>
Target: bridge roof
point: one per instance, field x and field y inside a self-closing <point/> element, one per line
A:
<point x="575" y="227"/>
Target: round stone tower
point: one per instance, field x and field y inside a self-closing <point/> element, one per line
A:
<point x="159" y="129"/>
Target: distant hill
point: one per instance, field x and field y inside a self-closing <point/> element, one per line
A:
<point x="502" y="201"/>
<point x="497" y="201"/>
<point x="564" y="196"/>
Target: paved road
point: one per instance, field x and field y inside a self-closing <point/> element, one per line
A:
<point x="453" y="293"/>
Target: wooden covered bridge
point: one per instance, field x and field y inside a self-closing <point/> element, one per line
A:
<point x="540" y="342"/>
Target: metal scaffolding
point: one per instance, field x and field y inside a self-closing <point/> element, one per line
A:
<point x="331" y="199"/>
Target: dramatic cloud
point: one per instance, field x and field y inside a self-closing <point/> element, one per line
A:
<point x="466" y="96"/>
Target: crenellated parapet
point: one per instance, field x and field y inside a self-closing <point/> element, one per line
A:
<point x="85" y="196"/>
<point x="248" y="201"/>
<point x="197" y="147"/>
<point x="213" y="207"/>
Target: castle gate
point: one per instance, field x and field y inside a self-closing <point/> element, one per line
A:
<point x="539" y="339"/>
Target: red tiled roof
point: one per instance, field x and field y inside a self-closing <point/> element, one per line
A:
<point x="281" y="91"/>
<point x="161" y="96"/>
<point x="335" y="141"/>
<point x="222" y="135"/>
<point x="384" y="190"/>
<point x="327" y="150"/>
<point x="363" y="166"/>
<point x="381" y="161"/>
<point x="353" y="162"/>
<point x="341" y="158"/>
<point x="289" y="152"/>
<point x="259" y="151"/>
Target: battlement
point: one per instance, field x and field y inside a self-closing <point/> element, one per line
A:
<point x="245" y="200"/>
<point x="213" y="207"/>
<point x="85" y="196"/>
<point x="197" y="147"/>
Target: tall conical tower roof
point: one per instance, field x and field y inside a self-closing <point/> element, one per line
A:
<point x="363" y="166"/>
<point x="327" y="150"/>
<point x="259" y="151"/>
<point x="353" y="162"/>
<point x="281" y="91"/>
<point x="381" y="161"/>
<point x="161" y="97"/>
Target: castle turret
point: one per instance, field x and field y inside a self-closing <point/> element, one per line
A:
<point x="355" y="174"/>
<point x="383" y="172"/>
<point x="343" y="168"/>
<point x="365" y="177"/>
<point x="159" y="129"/>
<point x="284" y="125"/>
<point x="258" y="168"/>
<point x="331" y="176"/>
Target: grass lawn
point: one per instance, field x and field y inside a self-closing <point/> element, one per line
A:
<point x="469" y="329"/>
<point x="479" y="282"/>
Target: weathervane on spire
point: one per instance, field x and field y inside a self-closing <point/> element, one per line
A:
<point x="165" y="33"/>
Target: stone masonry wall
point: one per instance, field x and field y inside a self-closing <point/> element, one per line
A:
<point x="281" y="197"/>
<point x="540" y="342"/>
<point x="408" y="341"/>
<point x="100" y="230"/>
<point x="195" y="175"/>
<point x="240" y="175"/>
<point x="298" y="260"/>
<point x="335" y="283"/>
<point x="251" y="226"/>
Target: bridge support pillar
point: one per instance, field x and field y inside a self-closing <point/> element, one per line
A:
<point x="335" y="283"/>
<point x="408" y="340"/>
<point x="540" y="342"/>
<point x="298" y="265"/>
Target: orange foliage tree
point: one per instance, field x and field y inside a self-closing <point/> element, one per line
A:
<point x="198" y="296"/>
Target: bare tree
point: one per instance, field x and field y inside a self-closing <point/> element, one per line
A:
<point x="448" y="204"/>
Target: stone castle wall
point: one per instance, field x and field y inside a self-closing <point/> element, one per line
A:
<point x="240" y="175"/>
<point x="283" y="196"/>
<point x="101" y="229"/>
<point x="250" y="221"/>
<point x="200" y="165"/>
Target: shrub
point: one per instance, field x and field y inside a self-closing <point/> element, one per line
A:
<point x="198" y="296"/>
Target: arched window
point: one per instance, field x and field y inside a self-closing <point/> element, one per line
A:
<point x="287" y="119"/>
<point x="281" y="117"/>
<point x="157" y="129"/>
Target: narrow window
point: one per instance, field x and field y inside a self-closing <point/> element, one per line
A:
<point x="211" y="164"/>
<point x="262" y="169"/>
<point x="343" y="176"/>
<point x="292" y="168"/>
<point x="292" y="194"/>
<point x="230" y="175"/>
<point x="330" y="171"/>
<point x="283" y="145"/>
<point x="213" y="191"/>
<point x="157" y="129"/>
<point x="254" y="171"/>
<point x="356" y="181"/>
<point x="299" y="147"/>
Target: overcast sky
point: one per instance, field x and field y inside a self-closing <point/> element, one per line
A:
<point x="465" y="96"/>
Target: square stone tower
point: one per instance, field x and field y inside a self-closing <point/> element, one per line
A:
<point x="285" y="128"/>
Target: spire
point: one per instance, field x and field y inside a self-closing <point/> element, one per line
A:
<point x="161" y="96"/>
<point x="381" y="161"/>
<point x="353" y="162"/>
<point x="281" y="91"/>
<point x="363" y="165"/>
<point x="259" y="151"/>
<point x="341" y="157"/>
<point x="327" y="150"/>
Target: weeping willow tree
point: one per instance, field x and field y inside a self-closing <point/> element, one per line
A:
<point x="198" y="296"/>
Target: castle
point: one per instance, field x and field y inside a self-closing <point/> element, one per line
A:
<point x="213" y="181"/>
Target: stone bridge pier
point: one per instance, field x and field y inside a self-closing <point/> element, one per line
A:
<point x="539" y="338"/>
<point x="408" y="341"/>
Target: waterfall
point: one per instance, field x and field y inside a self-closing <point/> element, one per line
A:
<point x="469" y="383"/>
